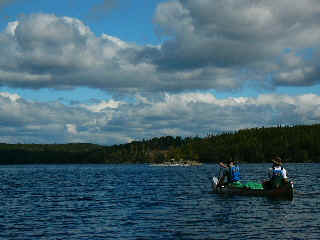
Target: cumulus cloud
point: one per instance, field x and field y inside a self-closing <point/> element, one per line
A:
<point x="246" y="34"/>
<point x="43" y="50"/>
<point x="184" y="114"/>
<point x="221" y="45"/>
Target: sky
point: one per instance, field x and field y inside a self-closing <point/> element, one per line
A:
<point x="115" y="71"/>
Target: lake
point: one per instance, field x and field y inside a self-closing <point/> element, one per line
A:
<point x="150" y="202"/>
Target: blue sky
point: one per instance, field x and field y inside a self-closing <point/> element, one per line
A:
<point x="113" y="71"/>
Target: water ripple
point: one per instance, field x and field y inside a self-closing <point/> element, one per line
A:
<point x="145" y="202"/>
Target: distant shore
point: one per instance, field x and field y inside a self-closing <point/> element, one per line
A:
<point x="257" y="145"/>
<point x="177" y="163"/>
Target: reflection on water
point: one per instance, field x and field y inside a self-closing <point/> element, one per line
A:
<point x="149" y="202"/>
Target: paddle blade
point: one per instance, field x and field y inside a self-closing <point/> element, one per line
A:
<point x="214" y="182"/>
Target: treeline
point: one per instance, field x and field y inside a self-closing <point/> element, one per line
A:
<point x="292" y="143"/>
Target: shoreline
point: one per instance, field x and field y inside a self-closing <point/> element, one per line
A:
<point x="179" y="164"/>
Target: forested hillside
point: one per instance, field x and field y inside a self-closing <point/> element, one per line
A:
<point x="292" y="143"/>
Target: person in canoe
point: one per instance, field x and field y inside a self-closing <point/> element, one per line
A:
<point x="232" y="172"/>
<point x="277" y="175"/>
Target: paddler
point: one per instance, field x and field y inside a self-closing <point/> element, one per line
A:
<point x="232" y="172"/>
<point x="277" y="175"/>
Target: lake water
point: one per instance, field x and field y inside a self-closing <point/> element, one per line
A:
<point x="150" y="202"/>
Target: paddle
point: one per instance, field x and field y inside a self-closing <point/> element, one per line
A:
<point x="220" y="175"/>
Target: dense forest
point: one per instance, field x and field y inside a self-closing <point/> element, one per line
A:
<point x="291" y="143"/>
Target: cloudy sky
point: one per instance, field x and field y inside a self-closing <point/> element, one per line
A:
<point x="113" y="71"/>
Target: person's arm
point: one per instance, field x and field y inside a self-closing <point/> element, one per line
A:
<point x="284" y="173"/>
<point x="223" y="165"/>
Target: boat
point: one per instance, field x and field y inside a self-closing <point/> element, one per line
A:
<point x="285" y="192"/>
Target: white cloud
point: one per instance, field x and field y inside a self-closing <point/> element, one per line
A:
<point x="219" y="45"/>
<point x="246" y="34"/>
<point x="11" y="28"/>
<point x="103" y="105"/>
<point x="12" y="97"/>
<point x="184" y="114"/>
<point x="71" y="128"/>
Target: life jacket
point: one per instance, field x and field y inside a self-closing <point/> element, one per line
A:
<point x="277" y="177"/>
<point x="277" y="173"/>
<point x="234" y="173"/>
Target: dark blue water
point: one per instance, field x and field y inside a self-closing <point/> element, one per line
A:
<point x="149" y="202"/>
